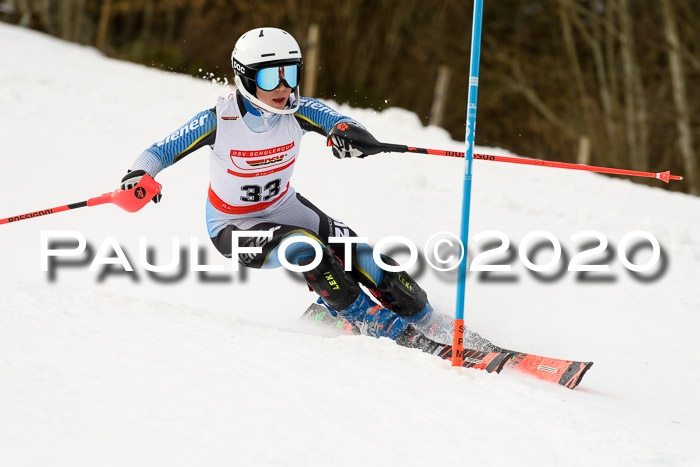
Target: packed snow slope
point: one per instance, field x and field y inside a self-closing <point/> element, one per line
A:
<point x="130" y="369"/>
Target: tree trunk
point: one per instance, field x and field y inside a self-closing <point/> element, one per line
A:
<point x="680" y="96"/>
<point x="635" y="102"/>
<point x="311" y="59"/>
<point x="611" y="56"/>
<point x="65" y="14"/>
<point x="46" y="17"/>
<point x="146" y="32"/>
<point x="103" y="27"/>
<point x="79" y="14"/>
<point x="604" y="76"/>
<point x="24" y="12"/>
<point x="576" y="74"/>
<point x="442" y="84"/>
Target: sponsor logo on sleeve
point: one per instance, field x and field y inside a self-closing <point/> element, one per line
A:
<point x="318" y="106"/>
<point x="185" y="130"/>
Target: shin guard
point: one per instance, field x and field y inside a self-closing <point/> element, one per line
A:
<point x="331" y="282"/>
<point x="401" y="294"/>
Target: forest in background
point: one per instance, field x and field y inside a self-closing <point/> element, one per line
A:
<point x="602" y="82"/>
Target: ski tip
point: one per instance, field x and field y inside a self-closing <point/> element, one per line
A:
<point x="580" y="369"/>
<point x="312" y="310"/>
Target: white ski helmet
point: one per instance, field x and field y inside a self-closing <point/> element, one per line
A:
<point x="266" y="48"/>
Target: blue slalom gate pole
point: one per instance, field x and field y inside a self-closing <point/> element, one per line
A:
<point x="458" y="342"/>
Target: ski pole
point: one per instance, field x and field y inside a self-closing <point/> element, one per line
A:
<point x="458" y="323"/>
<point x="129" y="200"/>
<point x="663" y="176"/>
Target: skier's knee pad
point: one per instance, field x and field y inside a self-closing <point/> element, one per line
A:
<point x="337" y="288"/>
<point x="399" y="292"/>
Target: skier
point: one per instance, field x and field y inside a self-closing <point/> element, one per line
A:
<point x="254" y="135"/>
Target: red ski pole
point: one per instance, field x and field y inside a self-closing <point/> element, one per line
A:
<point x="663" y="176"/>
<point x="129" y="200"/>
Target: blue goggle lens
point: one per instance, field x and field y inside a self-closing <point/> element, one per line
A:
<point x="268" y="79"/>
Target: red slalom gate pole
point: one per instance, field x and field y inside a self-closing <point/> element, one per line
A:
<point x="663" y="176"/>
<point x="129" y="200"/>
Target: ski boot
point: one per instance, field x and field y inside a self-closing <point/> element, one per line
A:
<point x="398" y="292"/>
<point x="342" y="294"/>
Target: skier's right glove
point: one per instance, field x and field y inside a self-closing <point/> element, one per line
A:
<point x="131" y="179"/>
<point x="348" y="139"/>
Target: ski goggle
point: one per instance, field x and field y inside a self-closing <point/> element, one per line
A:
<point x="268" y="79"/>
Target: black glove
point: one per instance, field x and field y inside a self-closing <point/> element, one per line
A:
<point x="131" y="179"/>
<point x="348" y="139"/>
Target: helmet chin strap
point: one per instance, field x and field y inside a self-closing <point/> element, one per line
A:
<point x="263" y="105"/>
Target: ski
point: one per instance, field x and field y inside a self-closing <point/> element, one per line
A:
<point x="567" y="373"/>
<point x="489" y="361"/>
<point x="489" y="357"/>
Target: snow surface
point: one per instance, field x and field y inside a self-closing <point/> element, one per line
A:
<point x="131" y="371"/>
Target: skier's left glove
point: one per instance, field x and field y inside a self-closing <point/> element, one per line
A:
<point x="348" y="139"/>
<point x="132" y="178"/>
